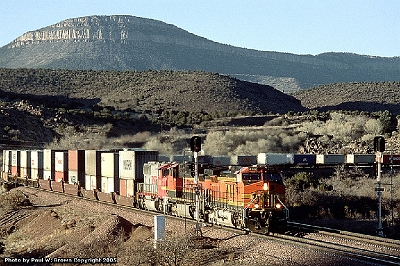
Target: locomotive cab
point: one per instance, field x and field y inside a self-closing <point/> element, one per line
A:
<point x="265" y="210"/>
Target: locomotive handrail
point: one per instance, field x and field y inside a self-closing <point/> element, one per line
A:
<point x="284" y="206"/>
<point x="245" y="209"/>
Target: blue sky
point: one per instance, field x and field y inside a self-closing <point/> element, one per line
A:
<point x="298" y="26"/>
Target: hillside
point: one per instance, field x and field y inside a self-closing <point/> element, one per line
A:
<point x="362" y="96"/>
<point x="133" y="43"/>
<point x="152" y="91"/>
<point x="39" y="105"/>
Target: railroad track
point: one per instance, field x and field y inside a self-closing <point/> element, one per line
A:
<point x="381" y="251"/>
<point x="363" y="248"/>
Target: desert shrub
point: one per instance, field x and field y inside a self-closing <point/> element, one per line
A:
<point x="13" y="200"/>
<point x="303" y="180"/>
<point x="344" y="127"/>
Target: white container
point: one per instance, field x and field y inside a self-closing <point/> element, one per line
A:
<point x="274" y="158"/>
<point x="36" y="164"/>
<point x="131" y="163"/>
<point x="109" y="164"/>
<point x="6" y="167"/>
<point x="26" y="163"/>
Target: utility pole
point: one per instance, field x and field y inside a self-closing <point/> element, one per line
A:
<point x="195" y="144"/>
<point x="379" y="147"/>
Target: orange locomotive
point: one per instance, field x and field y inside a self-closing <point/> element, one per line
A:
<point x="250" y="198"/>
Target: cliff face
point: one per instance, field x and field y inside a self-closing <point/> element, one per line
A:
<point x="125" y="42"/>
<point x="117" y="29"/>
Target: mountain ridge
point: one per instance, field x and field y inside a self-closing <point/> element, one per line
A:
<point x="124" y="42"/>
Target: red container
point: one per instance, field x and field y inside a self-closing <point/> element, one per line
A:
<point x="61" y="166"/>
<point x="127" y="187"/>
<point x="387" y="160"/>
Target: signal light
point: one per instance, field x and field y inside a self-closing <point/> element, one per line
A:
<point x="379" y="144"/>
<point x="195" y="144"/>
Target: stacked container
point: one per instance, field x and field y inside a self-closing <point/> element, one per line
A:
<point x="110" y="172"/>
<point x="15" y="163"/>
<point x="360" y="158"/>
<point x="25" y="163"/>
<point x="48" y="164"/>
<point x="274" y="158"/>
<point x="180" y="158"/>
<point x="330" y="159"/>
<point x="61" y="166"/>
<point x="304" y="159"/>
<point x="37" y="164"/>
<point x="244" y="160"/>
<point x="6" y="167"/>
<point x="131" y="163"/>
<point x="131" y="168"/>
<point x="221" y="160"/>
<point x="76" y="167"/>
<point x="92" y="169"/>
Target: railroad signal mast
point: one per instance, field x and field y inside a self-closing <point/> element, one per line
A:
<point x="379" y="147"/>
<point x="195" y="145"/>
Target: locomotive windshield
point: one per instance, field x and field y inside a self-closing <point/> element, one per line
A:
<point x="251" y="176"/>
<point x="275" y="177"/>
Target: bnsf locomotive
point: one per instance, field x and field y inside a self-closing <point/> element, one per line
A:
<point x="244" y="195"/>
<point x="251" y="197"/>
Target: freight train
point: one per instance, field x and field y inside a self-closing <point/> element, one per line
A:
<point x="242" y="195"/>
<point x="245" y="192"/>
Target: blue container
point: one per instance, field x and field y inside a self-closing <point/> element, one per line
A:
<point x="304" y="159"/>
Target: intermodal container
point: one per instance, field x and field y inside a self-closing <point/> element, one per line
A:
<point x="6" y="161"/>
<point x="330" y="159"/>
<point x="15" y="163"/>
<point x="204" y="159"/>
<point x="244" y="160"/>
<point x="360" y="158"/>
<point x="131" y="163"/>
<point x="221" y="160"/>
<point x="92" y="182"/>
<point x="164" y="158"/>
<point x="25" y="163"/>
<point x="127" y="187"/>
<point x="304" y="159"/>
<point x="388" y="159"/>
<point x="274" y="158"/>
<point x="180" y="158"/>
<point x="36" y="164"/>
<point x="76" y="167"/>
<point x="109" y="172"/>
<point x="61" y="166"/>
<point x="48" y="164"/>
<point x="93" y="169"/>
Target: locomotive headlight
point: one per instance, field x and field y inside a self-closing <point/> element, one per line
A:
<point x="278" y="205"/>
